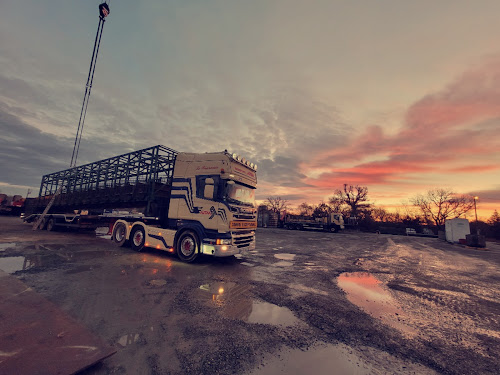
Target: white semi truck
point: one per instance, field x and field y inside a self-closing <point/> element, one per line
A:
<point x="185" y="203"/>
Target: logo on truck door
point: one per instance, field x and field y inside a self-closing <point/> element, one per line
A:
<point x="221" y="212"/>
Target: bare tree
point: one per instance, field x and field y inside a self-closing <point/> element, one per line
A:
<point x="336" y="203"/>
<point x="380" y="214"/>
<point x="437" y="205"/>
<point x="322" y="210"/>
<point x="305" y="209"/>
<point x="356" y="197"/>
<point x="277" y="204"/>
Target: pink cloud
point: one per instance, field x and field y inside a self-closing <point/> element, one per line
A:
<point x="445" y="127"/>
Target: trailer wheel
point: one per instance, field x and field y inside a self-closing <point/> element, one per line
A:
<point x="137" y="238"/>
<point x="187" y="246"/>
<point x="119" y="235"/>
<point x="51" y="224"/>
<point x="42" y="225"/>
<point x="333" y="229"/>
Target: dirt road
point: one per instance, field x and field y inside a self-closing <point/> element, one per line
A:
<point x="301" y="303"/>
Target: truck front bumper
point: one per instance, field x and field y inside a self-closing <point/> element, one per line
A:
<point x="225" y="250"/>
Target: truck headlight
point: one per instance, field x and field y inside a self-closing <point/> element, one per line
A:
<point x="223" y="241"/>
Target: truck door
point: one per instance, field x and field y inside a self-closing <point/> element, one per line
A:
<point x="212" y="212"/>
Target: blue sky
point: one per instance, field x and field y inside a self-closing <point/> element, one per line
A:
<point x="318" y="93"/>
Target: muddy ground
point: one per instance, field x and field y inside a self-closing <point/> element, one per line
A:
<point x="301" y="303"/>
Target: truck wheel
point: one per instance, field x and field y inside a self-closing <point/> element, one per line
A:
<point x="187" y="246"/>
<point x="333" y="229"/>
<point x="51" y="224"/>
<point x="137" y="238"/>
<point x="43" y="224"/>
<point x="119" y="235"/>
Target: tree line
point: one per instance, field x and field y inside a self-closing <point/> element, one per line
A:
<point x="429" y="210"/>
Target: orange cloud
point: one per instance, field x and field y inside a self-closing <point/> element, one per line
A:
<point x="475" y="169"/>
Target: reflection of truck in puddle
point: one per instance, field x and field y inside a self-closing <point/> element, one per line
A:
<point x="185" y="203"/>
<point x="235" y="301"/>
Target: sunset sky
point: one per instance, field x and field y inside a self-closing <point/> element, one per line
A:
<point x="398" y="96"/>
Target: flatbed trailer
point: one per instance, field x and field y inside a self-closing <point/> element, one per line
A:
<point x="332" y="222"/>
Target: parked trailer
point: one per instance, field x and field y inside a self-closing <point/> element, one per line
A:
<point x="185" y="203"/>
<point x="332" y="222"/>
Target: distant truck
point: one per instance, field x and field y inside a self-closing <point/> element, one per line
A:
<point x="11" y="204"/>
<point x="185" y="203"/>
<point x="332" y="222"/>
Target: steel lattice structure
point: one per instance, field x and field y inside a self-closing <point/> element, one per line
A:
<point x="138" y="178"/>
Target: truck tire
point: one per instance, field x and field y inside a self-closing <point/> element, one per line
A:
<point x="334" y="229"/>
<point x="51" y="224"/>
<point x="187" y="247"/>
<point x="137" y="238"/>
<point x="42" y="225"/>
<point x="119" y="235"/>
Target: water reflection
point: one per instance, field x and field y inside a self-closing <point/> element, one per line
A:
<point x="267" y="313"/>
<point x="28" y="262"/>
<point x="367" y="292"/>
<point x="284" y="256"/>
<point x="12" y="264"/>
<point x="321" y="360"/>
<point x="283" y="264"/>
<point x="235" y="302"/>
<point x="8" y="245"/>
<point x="128" y="339"/>
<point x="158" y="282"/>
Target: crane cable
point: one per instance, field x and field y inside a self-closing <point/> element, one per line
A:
<point x="88" y="89"/>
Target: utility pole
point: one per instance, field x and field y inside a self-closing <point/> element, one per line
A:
<point x="103" y="13"/>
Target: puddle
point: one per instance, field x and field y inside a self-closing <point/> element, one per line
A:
<point x="267" y="313"/>
<point x="367" y="292"/>
<point x="235" y="302"/>
<point x="128" y="339"/>
<point x="12" y="264"/>
<point x="51" y="259"/>
<point x="8" y="245"/>
<point x="283" y="263"/>
<point x="158" y="282"/>
<point x="285" y="256"/>
<point x="322" y="360"/>
<point x="247" y="264"/>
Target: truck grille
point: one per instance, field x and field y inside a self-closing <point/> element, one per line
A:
<point x="243" y="239"/>
<point x="244" y="216"/>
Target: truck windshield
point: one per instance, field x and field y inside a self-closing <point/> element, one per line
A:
<point x="239" y="194"/>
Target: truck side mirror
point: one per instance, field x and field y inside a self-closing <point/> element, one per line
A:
<point x="208" y="192"/>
